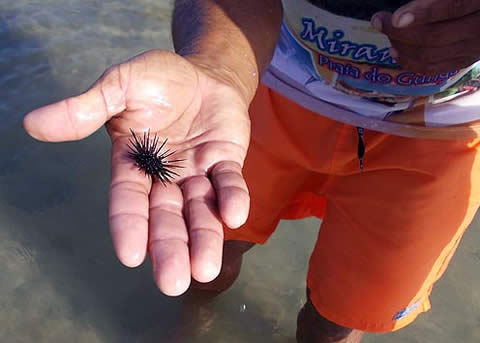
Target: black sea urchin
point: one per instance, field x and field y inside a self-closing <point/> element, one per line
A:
<point x="147" y="156"/>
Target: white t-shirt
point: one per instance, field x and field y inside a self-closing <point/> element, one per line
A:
<point x="341" y="68"/>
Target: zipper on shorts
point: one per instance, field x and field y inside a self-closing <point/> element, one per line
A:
<point x="361" y="146"/>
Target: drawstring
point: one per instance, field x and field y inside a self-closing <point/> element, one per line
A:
<point x="361" y="146"/>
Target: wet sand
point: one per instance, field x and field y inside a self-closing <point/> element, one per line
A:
<point x="60" y="280"/>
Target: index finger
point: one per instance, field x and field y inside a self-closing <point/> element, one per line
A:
<point x="430" y="11"/>
<point x="129" y="208"/>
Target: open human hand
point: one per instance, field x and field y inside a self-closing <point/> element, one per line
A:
<point x="433" y="36"/>
<point x="205" y="119"/>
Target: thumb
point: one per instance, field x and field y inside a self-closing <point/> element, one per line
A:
<point x="77" y="117"/>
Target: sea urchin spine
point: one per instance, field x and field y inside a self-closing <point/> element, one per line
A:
<point x="148" y="157"/>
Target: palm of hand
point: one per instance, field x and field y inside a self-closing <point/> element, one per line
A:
<point x="206" y="123"/>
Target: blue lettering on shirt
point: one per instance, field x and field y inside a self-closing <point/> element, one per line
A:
<point x="334" y="44"/>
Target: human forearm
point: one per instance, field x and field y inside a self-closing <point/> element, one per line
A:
<point x="235" y="38"/>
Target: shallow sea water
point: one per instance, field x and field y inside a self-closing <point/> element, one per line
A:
<point x="60" y="281"/>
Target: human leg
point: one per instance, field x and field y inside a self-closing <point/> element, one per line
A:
<point x="312" y="327"/>
<point x="231" y="264"/>
<point x="390" y="231"/>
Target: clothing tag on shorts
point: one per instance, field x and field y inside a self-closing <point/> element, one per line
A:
<point x="406" y="311"/>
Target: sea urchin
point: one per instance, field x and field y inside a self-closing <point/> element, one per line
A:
<point x="148" y="157"/>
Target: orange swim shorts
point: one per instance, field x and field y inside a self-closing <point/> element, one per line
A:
<point x="388" y="232"/>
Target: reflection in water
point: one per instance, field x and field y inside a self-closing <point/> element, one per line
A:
<point x="60" y="280"/>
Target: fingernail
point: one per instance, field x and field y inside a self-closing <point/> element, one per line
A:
<point x="210" y="271"/>
<point x="377" y="23"/>
<point x="405" y="20"/>
<point x="393" y="53"/>
<point x="181" y="286"/>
